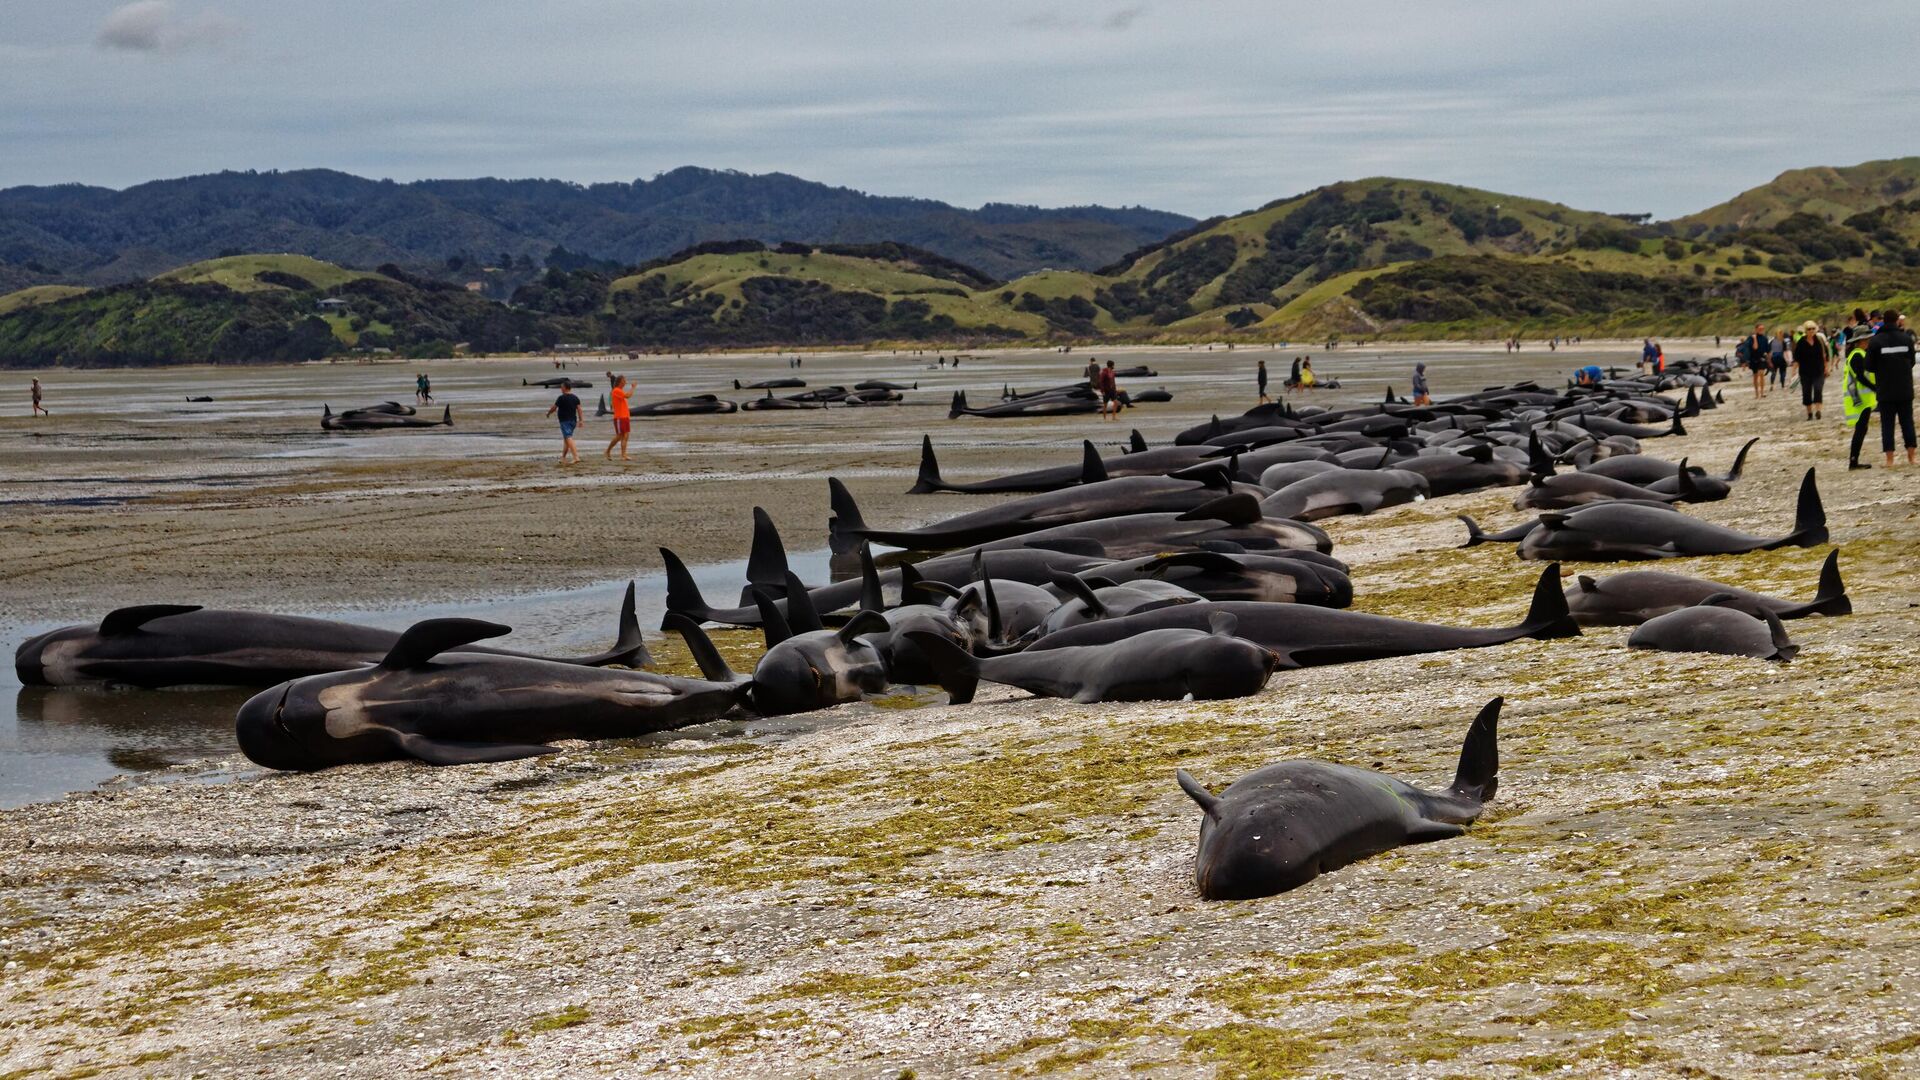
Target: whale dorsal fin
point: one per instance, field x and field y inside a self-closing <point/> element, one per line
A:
<point x="866" y="622"/>
<point x="1223" y="624"/>
<point x="128" y="619"/>
<point x="1587" y="584"/>
<point x="1092" y="469"/>
<point x="1080" y="590"/>
<point x="773" y="625"/>
<point x="1136" y="443"/>
<point x="1209" y="802"/>
<point x="425" y="640"/>
<point x="800" y="611"/>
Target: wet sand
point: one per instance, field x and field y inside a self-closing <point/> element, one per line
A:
<point x="1695" y="865"/>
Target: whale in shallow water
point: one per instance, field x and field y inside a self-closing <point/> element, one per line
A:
<point x="159" y="645"/>
<point x="1279" y="827"/>
<point x="431" y="700"/>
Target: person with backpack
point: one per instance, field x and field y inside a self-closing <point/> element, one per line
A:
<point x="1890" y="363"/>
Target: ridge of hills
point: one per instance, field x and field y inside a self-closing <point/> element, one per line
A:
<point x="1379" y="257"/>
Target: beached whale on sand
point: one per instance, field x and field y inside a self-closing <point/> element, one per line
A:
<point x="1615" y="531"/>
<point x="429" y="700"/>
<point x="555" y="384"/>
<point x="1716" y="625"/>
<point x="1632" y="598"/>
<point x="1304" y="636"/>
<point x="1065" y="403"/>
<point x="379" y="421"/>
<point x="772" y="384"/>
<point x="1160" y="665"/>
<point x="1279" y="827"/>
<point x="159" y="645"/>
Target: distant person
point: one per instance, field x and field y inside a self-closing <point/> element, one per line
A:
<point x="1306" y="373"/>
<point x="1777" y="359"/>
<point x="1810" y="358"/>
<point x="1420" y="396"/>
<point x="1108" y="382"/>
<point x="1293" y="377"/>
<point x="1260" y="377"/>
<point x="568" y="408"/>
<point x="622" y="415"/>
<point x="1758" y="353"/>
<point x="38" y="409"/>
<point x="1093" y="373"/>
<point x="426" y="389"/>
<point x="1659" y="360"/>
<point x="420" y="388"/>
<point x="1890" y="361"/>
<point x="1646" y="354"/>
<point x="1588" y="376"/>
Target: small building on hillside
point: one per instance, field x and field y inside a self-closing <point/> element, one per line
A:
<point x="332" y="305"/>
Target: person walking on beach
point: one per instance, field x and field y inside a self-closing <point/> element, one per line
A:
<point x="426" y="389"/>
<point x="1890" y="362"/>
<point x="38" y="409"/>
<point x="622" y="416"/>
<point x="1758" y="350"/>
<point x="1420" y="395"/>
<point x="568" y="407"/>
<point x="1261" y="378"/>
<point x="1778" y="358"/>
<point x="1109" y="385"/>
<point x="1810" y="357"/>
<point x="1856" y="398"/>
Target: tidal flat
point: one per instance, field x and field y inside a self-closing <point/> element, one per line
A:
<point x="1696" y="865"/>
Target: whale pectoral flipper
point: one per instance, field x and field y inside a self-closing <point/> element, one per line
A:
<point x="1426" y="832"/>
<point x="1209" y="802"/>
<point x="444" y="752"/>
<point x="425" y="640"/>
<point x="126" y="620"/>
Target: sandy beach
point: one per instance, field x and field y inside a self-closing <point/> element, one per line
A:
<point x="1695" y="866"/>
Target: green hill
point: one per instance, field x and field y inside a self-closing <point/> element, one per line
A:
<point x="1832" y="194"/>
<point x="1372" y="258"/>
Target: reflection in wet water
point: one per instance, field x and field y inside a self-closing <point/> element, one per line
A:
<point x="63" y="739"/>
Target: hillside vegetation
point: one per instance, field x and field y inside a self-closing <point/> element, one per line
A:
<point x="485" y="229"/>
<point x="1372" y="258"/>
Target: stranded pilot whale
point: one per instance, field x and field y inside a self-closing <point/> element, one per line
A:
<point x="1716" y="625"/>
<point x="1615" y="531"/>
<point x="1632" y="598"/>
<point x="1279" y="827"/>
<point x="1159" y="665"/>
<point x="430" y="701"/>
<point x="368" y="420"/>
<point x="159" y="645"/>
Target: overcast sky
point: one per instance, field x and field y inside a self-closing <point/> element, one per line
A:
<point x="1199" y="106"/>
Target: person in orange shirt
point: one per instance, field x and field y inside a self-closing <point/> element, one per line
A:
<point x="622" y="416"/>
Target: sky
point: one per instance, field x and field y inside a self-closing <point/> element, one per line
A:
<point x="1201" y="106"/>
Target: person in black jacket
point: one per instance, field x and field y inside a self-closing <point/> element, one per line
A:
<point x="1890" y="361"/>
<point x="1810" y="356"/>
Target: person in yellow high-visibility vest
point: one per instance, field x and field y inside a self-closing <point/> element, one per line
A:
<point x="1857" y="398"/>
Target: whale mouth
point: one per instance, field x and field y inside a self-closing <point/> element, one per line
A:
<point x="279" y="709"/>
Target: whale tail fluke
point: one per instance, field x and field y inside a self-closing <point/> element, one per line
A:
<point x="1549" y="617"/>
<point x="1478" y="775"/>
<point x="1209" y="802"/>
<point x="929" y="480"/>
<point x="953" y="668"/>
<point x="846" y="524"/>
<point x="1831" y="598"/>
<point x="1809" y="519"/>
<point x="713" y="666"/>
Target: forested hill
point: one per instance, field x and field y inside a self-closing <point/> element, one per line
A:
<point x="73" y="234"/>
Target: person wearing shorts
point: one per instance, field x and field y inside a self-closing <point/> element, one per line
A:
<point x="567" y="406"/>
<point x="1108" y="382"/>
<point x="1759" y="358"/>
<point x="622" y="416"/>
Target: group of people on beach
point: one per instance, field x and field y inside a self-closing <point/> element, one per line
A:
<point x="567" y="408"/>
<point x="1875" y="354"/>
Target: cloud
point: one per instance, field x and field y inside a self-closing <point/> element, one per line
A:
<point x="1116" y="20"/>
<point x="156" y="26"/>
